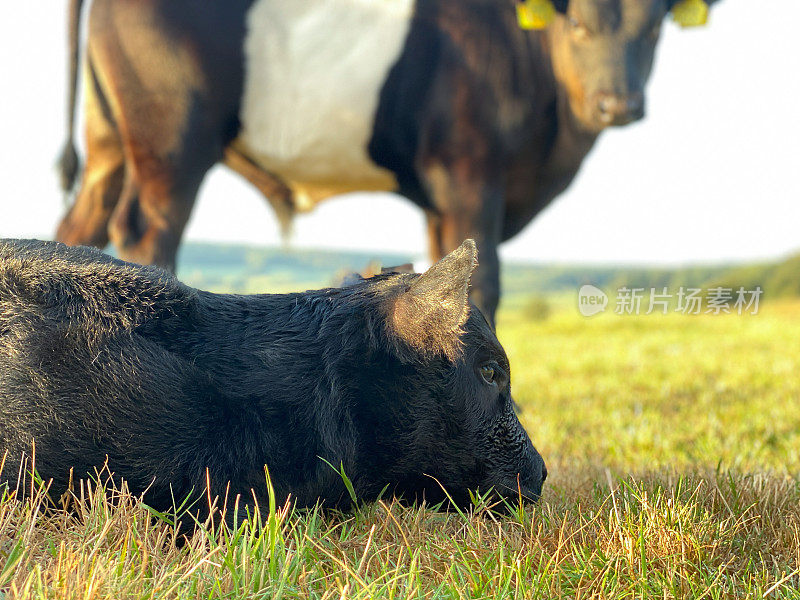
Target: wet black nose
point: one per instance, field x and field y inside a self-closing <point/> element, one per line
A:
<point x="615" y="109"/>
<point x="536" y="478"/>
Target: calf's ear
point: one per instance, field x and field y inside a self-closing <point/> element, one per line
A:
<point x="429" y="315"/>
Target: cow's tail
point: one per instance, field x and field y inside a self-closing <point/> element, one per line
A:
<point x="68" y="162"/>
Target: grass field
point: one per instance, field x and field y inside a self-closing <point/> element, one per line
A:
<point x="673" y="445"/>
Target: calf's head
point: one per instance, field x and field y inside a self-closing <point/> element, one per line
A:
<point x="446" y="419"/>
<point x="602" y="56"/>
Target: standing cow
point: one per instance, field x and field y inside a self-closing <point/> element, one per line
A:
<point x="449" y="102"/>
<point x="394" y="378"/>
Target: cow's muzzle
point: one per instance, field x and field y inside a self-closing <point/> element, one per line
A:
<point x="615" y="109"/>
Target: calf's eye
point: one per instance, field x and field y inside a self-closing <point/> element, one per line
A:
<point x="487" y="373"/>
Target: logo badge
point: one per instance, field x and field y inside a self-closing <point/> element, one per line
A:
<point x="591" y="300"/>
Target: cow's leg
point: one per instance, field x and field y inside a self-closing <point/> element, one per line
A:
<point x="174" y="92"/>
<point x="162" y="178"/>
<point x="471" y="206"/>
<point x="435" y="247"/>
<point x="86" y="223"/>
<point x="148" y="223"/>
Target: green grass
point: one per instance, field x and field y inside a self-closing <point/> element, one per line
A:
<point x="637" y="393"/>
<point x="673" y="444"/>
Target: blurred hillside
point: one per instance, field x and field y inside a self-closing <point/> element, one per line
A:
<point x="780" y="279"/>
<point x="244" y="269"/>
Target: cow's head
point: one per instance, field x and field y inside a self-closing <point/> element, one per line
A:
<point x="603" y="54"/>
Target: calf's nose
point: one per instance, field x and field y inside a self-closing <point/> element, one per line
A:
<point x="615" y="109"/>
<point x="535" y="479"/>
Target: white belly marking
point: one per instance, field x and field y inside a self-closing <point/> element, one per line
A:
<point x="314" y="70"/>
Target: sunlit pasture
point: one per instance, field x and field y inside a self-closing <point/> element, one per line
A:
<point x="673" y="445"/>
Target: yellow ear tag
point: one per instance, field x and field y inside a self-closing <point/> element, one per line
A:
<point x="535" y="14"/>
<point x="690" y="13"/>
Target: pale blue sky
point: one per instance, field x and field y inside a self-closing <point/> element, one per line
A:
<point x="711" y="174"/>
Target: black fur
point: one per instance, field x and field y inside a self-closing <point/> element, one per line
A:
<point x="104" y="359"/>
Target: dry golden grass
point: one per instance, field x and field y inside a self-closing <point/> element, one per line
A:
<point x="716" y="535"/>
